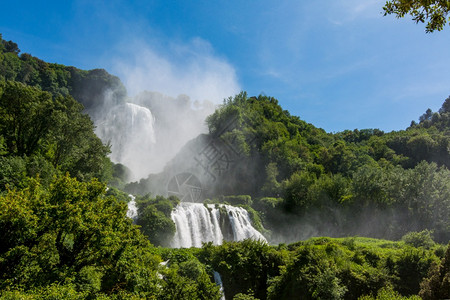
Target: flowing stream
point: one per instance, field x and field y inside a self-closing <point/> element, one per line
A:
<point x="218" y="281"/>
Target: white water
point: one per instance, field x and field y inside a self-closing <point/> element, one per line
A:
<point x="218" y="281"/>
<point x="129" y="130"/>
<point x="196" y="223"/>
<point x="132" y="208"/>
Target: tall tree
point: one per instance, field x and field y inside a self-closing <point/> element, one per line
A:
<point x="437" y="285"/>
<point x="25" y="117"/>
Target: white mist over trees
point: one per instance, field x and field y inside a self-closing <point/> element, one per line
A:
<point x="171" y="93"/>
<point x="173" y="69"/>
<point x="145" y="133"/>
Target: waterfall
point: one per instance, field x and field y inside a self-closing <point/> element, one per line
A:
<point x="197" y="223"/>
<point x="132" y="208"/>
<point x="129" y="129"/>
<point x="218" y="281"/>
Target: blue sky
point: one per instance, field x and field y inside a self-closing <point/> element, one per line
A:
<point x="336" y="64"/>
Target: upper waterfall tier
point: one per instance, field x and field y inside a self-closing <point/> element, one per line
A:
<point x="129" y="129"/>
<point x="197" y="223"/>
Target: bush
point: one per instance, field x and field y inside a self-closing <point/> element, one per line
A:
<point x="388" y="294"/>
<point x="437" y="284"/>
<point x="309" y="276"/>
<point x="238" y="200"/>
<point x="242" y="296"/>
<point x="156" y="225"/>
<point x="419" y="239"/>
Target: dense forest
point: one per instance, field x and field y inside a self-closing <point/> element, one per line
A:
<point x="361" y="182"/>
<point x="65" y="234"/>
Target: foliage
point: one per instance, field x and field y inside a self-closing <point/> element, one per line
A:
<point x="45" y="134"/>
<point x="186" y="276"/>
<point x="345" y="180"/>
<point x="72" y="233"/>
<point x="154" y="218"/>
<point x="237" y="200"/>
<point x="242" y="296"/>
<point x="296" y="191"/>
<point x="437" y="284"/>
<point x="26" y="117"/>
<point x="118" y="194"/>
<point x="411" y="267"/>
<point x="325" y="268"/>
<point x="120" y="176"/>
<point x="388" y="294"/>
<point x="93" y="88"/>
<point x="64" y="236"/>
<point x="243" y="266"/>
<point x="419" y="239"/>
<point x="195" y="283"/>
<point x="433" y="12"/>
<point x="309" y="276"/>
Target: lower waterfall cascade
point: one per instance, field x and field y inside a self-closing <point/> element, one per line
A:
<point x="197" y="223"/>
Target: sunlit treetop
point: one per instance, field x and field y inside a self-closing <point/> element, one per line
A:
<point x="434" y="12"/>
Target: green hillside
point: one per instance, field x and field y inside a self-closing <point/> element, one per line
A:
<point x="64" y="235"/>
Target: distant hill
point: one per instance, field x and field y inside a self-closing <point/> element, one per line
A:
<point x="87" y="87"/>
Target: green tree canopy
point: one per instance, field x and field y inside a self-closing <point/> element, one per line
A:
<point x="33" y="123"/>
<point x="434" y="12"/>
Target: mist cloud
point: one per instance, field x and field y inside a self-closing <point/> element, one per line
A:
<point x="172" y="69"/>
<point x="175" y="86"/>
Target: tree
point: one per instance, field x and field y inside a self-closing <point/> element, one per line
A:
<point x="243" y="266"/>
<point x="437" y="285"/>
<point x="73" y="145"/>
<point x="271" y="187"/>
<point x="8" y="46"/>
<point x="309" y="276"/>
<point x="434" y="12"/>
<point x="33" y="123"/>
<point x="445" y="106"/>
<point x="72" y="232"/>
<point x="419" y="239"/>
<point x="25" y="114"/>
<point x="296" y="190"/>
<point x="154" y="224"/>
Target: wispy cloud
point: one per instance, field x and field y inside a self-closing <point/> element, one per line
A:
<point x="341" y="12"/>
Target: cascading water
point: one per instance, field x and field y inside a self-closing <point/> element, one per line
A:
<point x="129" y="129"/>
<point x="132" y="212"/>
<point x="197" y="223"/>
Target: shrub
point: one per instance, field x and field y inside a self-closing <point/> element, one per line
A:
<point x="419" y="239"/>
